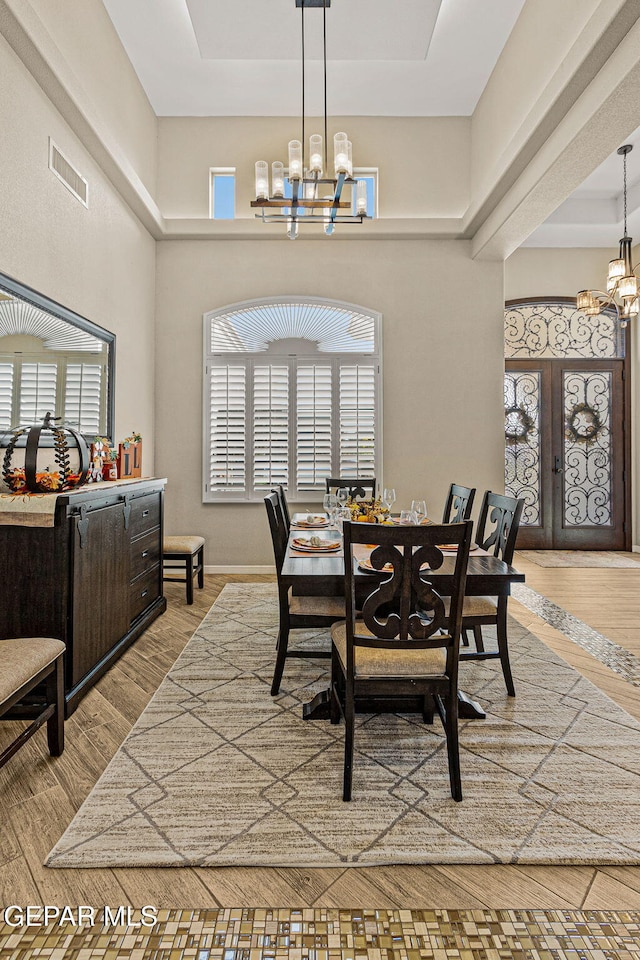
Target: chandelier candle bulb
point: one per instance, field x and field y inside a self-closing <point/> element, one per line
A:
<point x="616" y="269"/>
<point x="315" y="154"/>
<point x="340" y="153"/>
<point x="349" y="159"/>
<point x="295" y="160"/>
<point x="262" y="180"/>
<point x="361" y="198"/>
<point x="277" y="178"/>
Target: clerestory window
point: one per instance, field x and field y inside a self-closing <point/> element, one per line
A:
<point x="292" y="395"/>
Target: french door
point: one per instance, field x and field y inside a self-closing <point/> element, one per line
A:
<point x="566" y="452"/>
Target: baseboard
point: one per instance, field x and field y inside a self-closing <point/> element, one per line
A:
<point x="635" y="548"/>
<point x="251" y="568"/>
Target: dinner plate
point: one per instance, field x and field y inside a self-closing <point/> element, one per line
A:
<point x="368" y="567"/>
<point x="327" y="546"/>
<point x="316" y="523"/>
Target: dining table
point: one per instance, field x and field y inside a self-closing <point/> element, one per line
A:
<point x="310" y="573"/>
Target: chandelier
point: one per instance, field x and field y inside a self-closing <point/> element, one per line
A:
<point x="316" y="197"/>
<point x="622" y="282"/>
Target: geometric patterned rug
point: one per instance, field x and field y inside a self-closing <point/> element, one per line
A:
<point x="332" y="934"/>
<point x="217" y="772"/>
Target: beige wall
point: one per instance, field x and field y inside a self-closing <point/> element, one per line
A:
<point x="98" y="261"/>
<point x="86" y="38"/>
<point x="530" y="72"/>
<point x="423" y="162"/>
<point x="536" y="272"/>
<point x="442" y="365"/>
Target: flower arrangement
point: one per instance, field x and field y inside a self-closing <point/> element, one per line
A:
<point x="47" y="481"/>
<point x="367" y="511"/>
<point x="134" y="438"/>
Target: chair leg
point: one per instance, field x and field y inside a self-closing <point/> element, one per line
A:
<point x="336" y="674"/>
<point x="453" y="745"/>
<point x="477" y="636"/>
<point x="503" y="649"/>
<point x="464" y="636"/>
<point x="190" y="579"/>
<point x="349" y="723"/>
<point x="200" y="562"/>
<point x="281" y="649"/>
<point x="427" y="708"/>
<point x="55" y="723"/>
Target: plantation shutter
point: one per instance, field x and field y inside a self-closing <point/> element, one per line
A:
<point x="6" y="395"/>
<point x="357" y="420"/>
<point x="292" y="395"/>
<point x="313" y="425"/>
<point x="228" y="428"/>
<point x="37" y="391"/>
<point x="82" y="397"/>
<point x="270" y="426"/>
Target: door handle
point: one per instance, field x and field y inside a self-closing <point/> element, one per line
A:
<point x="557" y="464"/>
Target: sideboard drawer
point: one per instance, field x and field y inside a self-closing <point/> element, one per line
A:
<point x="145" y="514"/>
<point x="145" y="553"/>
<point x="144" y="591"/>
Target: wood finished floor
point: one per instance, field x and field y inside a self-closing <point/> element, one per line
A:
<point x="39" y="795"/>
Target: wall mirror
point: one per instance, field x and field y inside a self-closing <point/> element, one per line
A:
<point x="52" y="359"/>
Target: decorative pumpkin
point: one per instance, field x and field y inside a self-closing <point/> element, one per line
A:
<point x="42" y="442"/>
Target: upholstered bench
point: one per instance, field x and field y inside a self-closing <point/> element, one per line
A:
<point x="25" y="663"/>
<point x="184" y="553"/>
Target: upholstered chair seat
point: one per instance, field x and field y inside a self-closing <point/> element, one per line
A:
<point x="385" y="662"/>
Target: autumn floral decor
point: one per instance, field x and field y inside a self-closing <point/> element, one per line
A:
<point x="367" y="511"/>
<point x="55" y="477"/>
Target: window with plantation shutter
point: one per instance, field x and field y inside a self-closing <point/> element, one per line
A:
<point x="357" y="420"/>
<point x="292" y="395"/>
<point x="38" y="385"/>
<point x="6" y="395"/>
<point x="227" y="428"/>
<point x="314" y="425"/>
<point x="83" y="397"/>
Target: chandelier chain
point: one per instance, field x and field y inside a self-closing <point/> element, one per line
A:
<point x="624" y="176"/>
<point x="302" y="138"/>
<point x="324" y="59"/>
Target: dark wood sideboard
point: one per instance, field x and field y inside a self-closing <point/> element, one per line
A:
<point x="93" y="579"/>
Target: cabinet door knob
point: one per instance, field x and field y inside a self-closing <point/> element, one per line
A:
<point x="145" y="513"/>
<point x="145" y="553"/>
<point x="144" y="593"/>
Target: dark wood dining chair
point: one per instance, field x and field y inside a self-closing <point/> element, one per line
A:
<point x="24" y="664"/>
<point x="459" y="503"/>
<point x="296" y="612"/>
<point x="403" y="643"/>
<point x="360" y="488"/>
<point x="497" y="531"/>
<point x="284" y="506"/>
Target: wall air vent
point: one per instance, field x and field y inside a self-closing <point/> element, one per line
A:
<point x="73" y="181"/>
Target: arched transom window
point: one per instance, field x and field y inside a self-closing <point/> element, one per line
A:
<point x="292" y="395"/>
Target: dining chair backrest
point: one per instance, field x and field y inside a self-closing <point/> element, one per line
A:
<point x="459" y="503"/>
<point x="284" y="506"/>
<point x="403" y="611"/>
<point x="277" y="526"/>
<point x="360" y="488"/>
<point x="498" y="524"/>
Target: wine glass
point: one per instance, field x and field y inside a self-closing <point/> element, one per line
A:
<point x="330" y="504"/>
<point x="419" y="507"/>
<point x="388" y="498"/>
<point x="342" y="493"/>
<point x="408" y="517"/>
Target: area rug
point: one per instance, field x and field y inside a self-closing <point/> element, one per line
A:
<point x="578" y="558"/>
<point x="217" y="772"/>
